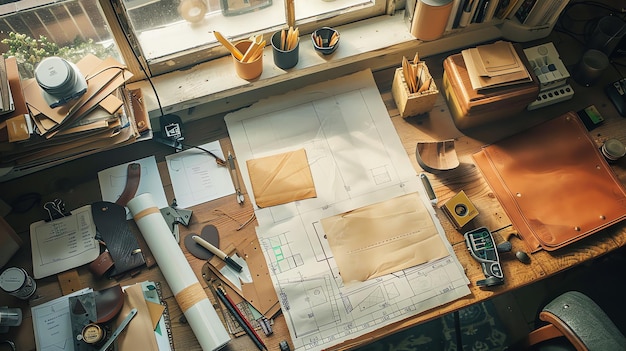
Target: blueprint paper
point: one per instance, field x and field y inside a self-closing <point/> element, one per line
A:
<point x="356" y="159"/>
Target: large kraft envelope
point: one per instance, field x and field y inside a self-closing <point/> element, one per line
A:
<point x="383" y="238"/>
<point x="280" y="179"/>
<point x="553" y="183"/>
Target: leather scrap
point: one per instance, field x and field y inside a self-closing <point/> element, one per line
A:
<point x="133" y="177"/>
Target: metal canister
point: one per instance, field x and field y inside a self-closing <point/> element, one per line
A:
<point x="93" y="334"/>
<point x="15" y="281"/>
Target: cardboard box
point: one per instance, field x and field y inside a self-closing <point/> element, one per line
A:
<point x="416" y="103"/>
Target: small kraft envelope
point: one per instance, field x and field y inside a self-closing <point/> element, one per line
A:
<point x="280" y="179"/>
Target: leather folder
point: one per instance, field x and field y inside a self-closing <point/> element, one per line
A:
<point x="553" y="183"/>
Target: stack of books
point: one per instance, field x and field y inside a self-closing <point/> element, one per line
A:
<point x="474" y="99"/>
<point x="530" y="13"/>
<point x="534" y="13"/>
<point x="35" y="136"/>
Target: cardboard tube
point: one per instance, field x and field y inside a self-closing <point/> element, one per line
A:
<point x="202" y="317"/>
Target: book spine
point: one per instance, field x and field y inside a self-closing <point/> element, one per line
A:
<point x="453" y="15"/>
<point x="468" y="12"/>
<point x="524" y="11"/>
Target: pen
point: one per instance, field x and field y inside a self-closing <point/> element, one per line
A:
<point x="241" y="319"/>
<point x="233" y="172"/>
<point x="217" y="252"/>
<point x="429" y="189"/>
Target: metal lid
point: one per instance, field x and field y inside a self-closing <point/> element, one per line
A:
<point x="12" y="279"/>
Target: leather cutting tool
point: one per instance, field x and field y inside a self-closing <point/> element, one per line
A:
<point x="174" y="216"/>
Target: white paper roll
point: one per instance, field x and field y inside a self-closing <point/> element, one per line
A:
<point x="192" y="299"/>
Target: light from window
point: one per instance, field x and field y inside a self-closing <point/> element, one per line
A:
<point x="69" y="29"/>
<point x="164" y="28"/>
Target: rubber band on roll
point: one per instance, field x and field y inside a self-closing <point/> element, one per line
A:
<point x="146" y="212"/>
<point x="190" y="296"/>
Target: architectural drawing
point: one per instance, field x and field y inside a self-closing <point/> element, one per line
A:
<point x="356" y="159"/>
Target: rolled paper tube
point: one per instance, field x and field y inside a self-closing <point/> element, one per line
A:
<point x="202" y="317"/>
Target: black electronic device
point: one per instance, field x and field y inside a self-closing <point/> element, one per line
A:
<point x="616" y="92"/>
<point x="171" y="133"/>
<point x="482" y="247"/>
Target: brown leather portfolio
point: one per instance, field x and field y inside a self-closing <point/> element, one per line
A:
<point x="471" y="108"/>
<point x="553" y="183"/>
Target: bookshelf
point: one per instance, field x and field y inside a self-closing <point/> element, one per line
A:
<point x="518" y="20"/>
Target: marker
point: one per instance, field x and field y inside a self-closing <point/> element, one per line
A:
<point x="217" y="252"/>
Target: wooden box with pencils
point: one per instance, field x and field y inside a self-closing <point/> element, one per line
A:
<point x="414" y="89"/>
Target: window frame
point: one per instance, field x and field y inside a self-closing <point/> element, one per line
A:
<point x="130" y="48"/>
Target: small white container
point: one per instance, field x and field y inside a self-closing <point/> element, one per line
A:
<point x="15" y="281"/>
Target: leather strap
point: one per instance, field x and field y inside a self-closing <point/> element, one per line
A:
<point x="111" y="223"/>
<point x="101" y="264"/>
<point x="132" y="184"/>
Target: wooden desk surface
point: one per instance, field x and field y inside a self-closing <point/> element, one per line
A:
<point x="76" y="183"/>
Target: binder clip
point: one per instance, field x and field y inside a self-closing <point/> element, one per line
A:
<point x="56" y="209"/>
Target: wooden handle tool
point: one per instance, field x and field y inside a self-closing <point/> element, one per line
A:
<point x="228" y="45"/>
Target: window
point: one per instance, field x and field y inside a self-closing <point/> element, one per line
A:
<point x="34" y="29"/>
<point x="173" y="34"/>
<point x="165" y="34"/>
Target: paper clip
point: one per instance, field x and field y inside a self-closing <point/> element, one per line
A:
<point x="56" y="210"/>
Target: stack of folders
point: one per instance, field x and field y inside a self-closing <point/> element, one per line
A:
<point x="495" y="65"/>
<point x="488" y="83"/>
<point x="35" y="135"/>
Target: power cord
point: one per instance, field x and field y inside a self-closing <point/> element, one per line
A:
<point x="171" y="133"/>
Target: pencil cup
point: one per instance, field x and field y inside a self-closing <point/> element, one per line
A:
<point x="247" y="70"/>
<point x="325" y="40"/>
<point x="412" y="104"/>
<point x="590" y="67"/>
<point x="284" y="57"/>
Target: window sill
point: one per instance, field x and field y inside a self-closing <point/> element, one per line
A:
<point x="213" y="88"/>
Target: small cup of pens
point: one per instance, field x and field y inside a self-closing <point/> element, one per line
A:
<point x="247" y="55"/>
<point x="285" y="46"/>
<point x="413" y="88"/>
<point x="250" y="65"/>
<point x="325" y="40"/>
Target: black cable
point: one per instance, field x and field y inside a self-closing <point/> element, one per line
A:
<point x="141" y="63"/>
<point x="219" y="160"/>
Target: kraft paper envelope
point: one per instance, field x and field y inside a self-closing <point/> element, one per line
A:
<point x="383" y="238"/>
<point x="280" y="179"/>
<point x="139" y="334"/>
<point x="498" y="56"/>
